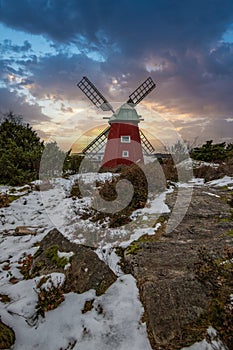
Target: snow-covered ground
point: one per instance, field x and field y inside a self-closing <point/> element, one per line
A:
<point x="115" y="319"/>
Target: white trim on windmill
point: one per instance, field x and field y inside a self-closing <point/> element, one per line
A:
<point x="125" y="139"/>
<point x="125" y="154"/>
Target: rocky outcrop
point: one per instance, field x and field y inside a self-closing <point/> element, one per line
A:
<point x="164" y="266"/>
<point x="83" y="270"/>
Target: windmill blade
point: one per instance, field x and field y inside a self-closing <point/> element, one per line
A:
<point x="142" y="91"/>
<point x="146" y="145"/>
<point x="96" y="144"/>
<point x="94" y="95"/>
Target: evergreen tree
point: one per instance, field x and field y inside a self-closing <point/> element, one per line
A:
<point x="210" y="152"/>
<point x="20" y="151"/>
<point x="54" y="161"/>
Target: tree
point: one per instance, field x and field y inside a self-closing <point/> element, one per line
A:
<point x="210" y="152"/>
<point x="20" y="151"/>
<point x="179" y="151"/>
<point x="54" y="161"/>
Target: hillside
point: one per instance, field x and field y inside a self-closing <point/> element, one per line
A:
<point x="55" y="298"/>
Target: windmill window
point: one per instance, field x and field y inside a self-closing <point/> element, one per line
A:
<point x="125" y="154"/>
<point x="125" y="139"/>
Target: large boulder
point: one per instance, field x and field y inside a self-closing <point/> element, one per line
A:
<point x="83" y="269"/>
<point x="165" y="265"/>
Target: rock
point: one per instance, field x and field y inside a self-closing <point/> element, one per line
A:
<point x="164" y="267"/>
<point x="23" y="231"/>
<point x="85" y="270"/>
<point x="7" y="336"/>
<point x="4" y="200"/>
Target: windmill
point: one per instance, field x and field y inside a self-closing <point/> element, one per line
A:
<point x="125" y="141"/>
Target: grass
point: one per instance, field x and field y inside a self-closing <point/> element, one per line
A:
<point x="136" y="246"/>
<point x="52" y="254"/>
<point x="13" y="198"/>
<point x="133" y="248"/>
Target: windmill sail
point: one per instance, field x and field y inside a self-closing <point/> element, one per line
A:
<point x="142" y="91"/>
<point x="96" y="145"/>
<point x="148" y="148"/>
<point x="94" y="95"/>
<point x="89" y="89"/>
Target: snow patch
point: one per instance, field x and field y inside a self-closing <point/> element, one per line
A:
<point x="55" y="279"/>
<point x="225" y="181"/>
<point x="65" y="255"/>
<point x="212" y="194"/>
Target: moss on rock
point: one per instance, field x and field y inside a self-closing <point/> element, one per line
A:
<point x="52" y="254"/>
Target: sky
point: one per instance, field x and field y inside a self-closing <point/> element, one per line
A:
<point x="186" y="46"/>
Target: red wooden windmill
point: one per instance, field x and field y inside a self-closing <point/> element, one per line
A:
<point x="125" y="141"/>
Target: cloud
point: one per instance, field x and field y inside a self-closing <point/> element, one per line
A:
<point x="10" y="101"/>
<point x="66" y="109"/>
<point x="216" y="129"/>
<point x="58" y="75"/>
<point x="7" y="45"/>
<point x="117" y="45"/>
<point x="136" y="25"/>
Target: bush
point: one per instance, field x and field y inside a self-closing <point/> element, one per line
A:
<point x="20" y="151"/>
<point x="49" y="299"/>
<point x="210" y="152"/>
<point x="107" y="192"/>
<point x="210" y="173"/>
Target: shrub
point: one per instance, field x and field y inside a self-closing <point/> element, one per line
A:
<point x="48" y="299"/>
<point x="107" y="190"/>
<point x="210" y="152"/>
<point x="20" y="151"/>
<point x="211" y="173"/>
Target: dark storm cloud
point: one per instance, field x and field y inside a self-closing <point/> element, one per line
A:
<point x="135" y="24"/>
<point x="9" y="101"/>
